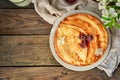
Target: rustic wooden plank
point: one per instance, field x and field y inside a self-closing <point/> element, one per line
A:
<point x="5" y="4"/>
<point x="30" y="50"/>
<point x="22" y="21"/>
<point x="52" y="73"/>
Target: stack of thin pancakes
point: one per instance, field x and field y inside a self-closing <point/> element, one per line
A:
<point x="67" y="41"/>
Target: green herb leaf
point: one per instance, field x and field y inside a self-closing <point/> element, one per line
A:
<point x="115" y="7"/>
<point x="105" y="18"/>
<point x="109" y="24"/>
<point x="118" y="16"/>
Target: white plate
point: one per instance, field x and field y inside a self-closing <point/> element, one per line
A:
<point x="69" y="66"/>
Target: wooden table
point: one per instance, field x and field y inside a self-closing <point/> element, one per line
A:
<point x="25" y="52"/>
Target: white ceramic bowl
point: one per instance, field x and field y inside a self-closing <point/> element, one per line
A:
<point x="69" y="66"/>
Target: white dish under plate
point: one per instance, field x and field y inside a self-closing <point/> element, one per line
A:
<point x="69" y="66"/>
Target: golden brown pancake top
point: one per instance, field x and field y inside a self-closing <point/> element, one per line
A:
<point x="80" y="39"/>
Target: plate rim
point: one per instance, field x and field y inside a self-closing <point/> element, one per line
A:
<point x="69" y="66"/>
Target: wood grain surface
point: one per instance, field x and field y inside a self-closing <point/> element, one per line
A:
<point x="49" y="73"/>
<point x="32" y="50"/>
<point x="22" y="21"/>
<point x="53" y="73"/>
